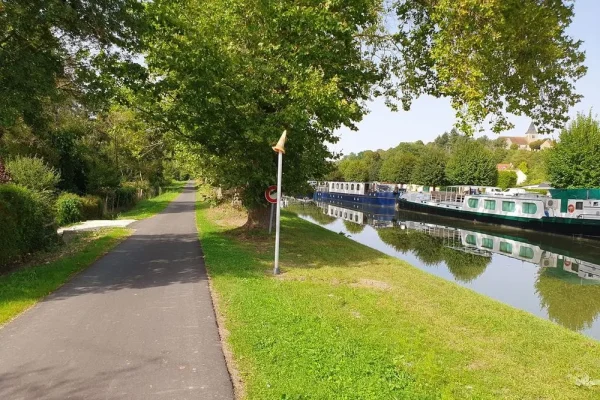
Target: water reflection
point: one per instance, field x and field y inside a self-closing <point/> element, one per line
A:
<point x="550" y="276"/>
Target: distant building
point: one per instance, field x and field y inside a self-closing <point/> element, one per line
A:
<point x="523" y="142"/>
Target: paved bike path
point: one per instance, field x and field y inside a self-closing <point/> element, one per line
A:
<point x="137" y="324"/>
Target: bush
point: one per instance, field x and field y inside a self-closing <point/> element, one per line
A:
<point x="92" y="207"/>
<point x="33" y="173"/>
<point x="26" y="223"/>
<point x="69" y="208"/>
<point x="506" y="179"/>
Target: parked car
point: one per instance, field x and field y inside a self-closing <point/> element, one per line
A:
<point x="514" y="192"/>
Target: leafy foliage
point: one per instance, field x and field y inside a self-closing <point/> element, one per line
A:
<point x="261" y="67"/>
<point x="481" y="55"/>
<point x="574" y="161"/>
<point x="471" y="163"/>
<point x="26" y="223"/>
<point x="33" y="173"/>
<point x="69" y="208"/>
<point x="398" y="167"/>
<point x="506" y="179"/>
<point x="430" y="168"/>
<point x="51" y="48"/>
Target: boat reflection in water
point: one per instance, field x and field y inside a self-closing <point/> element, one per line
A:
<point x="550" y="276"/>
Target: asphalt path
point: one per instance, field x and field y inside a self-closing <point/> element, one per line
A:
<point x="138" y="324"/>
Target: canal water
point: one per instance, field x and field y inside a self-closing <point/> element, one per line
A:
<point x="554" y="277"/>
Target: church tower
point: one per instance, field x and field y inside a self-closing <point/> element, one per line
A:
<point x="531" y="135"/>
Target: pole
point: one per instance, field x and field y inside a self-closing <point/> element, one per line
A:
<point x="278" y="215"/>
<point x="271" y="219"/>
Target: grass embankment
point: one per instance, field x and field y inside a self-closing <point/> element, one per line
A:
<point x="148" y="207"/>
<point x="344" y="321"/>
<point x="24" y="287"/>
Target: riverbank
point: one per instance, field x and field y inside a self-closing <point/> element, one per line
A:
<point x="346" y="321"/>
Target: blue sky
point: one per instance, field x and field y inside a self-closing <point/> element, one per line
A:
<point x="430" y="117"/>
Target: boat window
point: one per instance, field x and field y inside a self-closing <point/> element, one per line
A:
<point x="358" y="186"/>
<point x="471" y="239"/>
<point x="529" y="208"/>
<point x="595" y="204"/>
<point x="337" y="185"/>
<point x="356" y="217"/>
<point x="579" y="205"/>
<point x="346" y="186"/>
<point x="473" y="203"/>
<point x="352" y="187"/>
<point x="508" y="206"/>
<point x="488" y="243"/>
<point x="526" y="252"/>
<point x="345" y="215"/>
<point x="506" y="247"/>
<point x="489" y="204"/>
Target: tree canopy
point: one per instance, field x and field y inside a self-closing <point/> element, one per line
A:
<point x="471" y="163"/>
<point x="430" y="169"/>
<point x="574" y="160"/>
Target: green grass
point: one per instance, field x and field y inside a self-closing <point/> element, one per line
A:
<point x="149" y="207"/>
<point x="345" y="321"/>
<point x="23" y="288"/>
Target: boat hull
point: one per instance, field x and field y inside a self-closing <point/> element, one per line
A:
<point x="560" y="226"/>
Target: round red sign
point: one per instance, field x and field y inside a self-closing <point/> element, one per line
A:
<point x="271" y="194"/>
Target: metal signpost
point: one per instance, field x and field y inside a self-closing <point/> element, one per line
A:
<point x="280" y="149"/>
<point x="273" y="201"/>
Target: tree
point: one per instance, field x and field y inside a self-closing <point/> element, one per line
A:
<point x="506" y="179"/>
<point x="398" y="168"/>
<point x="489" y="58"/>
<point x="430" y="168"/>
<point x="235" y="74"/>
<point x="574" y="161"/>
<point x="53" y="48"/>
<point x="471" y="163"/>
<point x="536" y="144"/>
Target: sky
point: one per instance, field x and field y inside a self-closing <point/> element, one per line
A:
<point x="430" y="117"/>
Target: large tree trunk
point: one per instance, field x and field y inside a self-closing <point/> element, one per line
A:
<point x="258" y="217"/>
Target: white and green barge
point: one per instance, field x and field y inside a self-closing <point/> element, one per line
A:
<point x="572" y="212"/>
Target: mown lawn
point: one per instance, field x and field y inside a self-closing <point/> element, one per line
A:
<point x="148" y="207"/>
<point x="24" y="287"/>
<point x="344" y="321"/>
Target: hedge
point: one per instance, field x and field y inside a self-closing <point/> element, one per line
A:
<point x="69" y="208"/>
<point x="26" y="223"/>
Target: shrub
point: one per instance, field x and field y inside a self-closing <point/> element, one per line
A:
<point x="69" y="208"/>
<point x="506" y="179"/>
<point x="92" y="207"/>
<point x="33" y="173"/>
<point x="26" y="223"/>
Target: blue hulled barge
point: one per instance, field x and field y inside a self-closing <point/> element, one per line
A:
<point x="370" y="193"/>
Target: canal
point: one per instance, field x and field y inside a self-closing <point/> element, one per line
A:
<point x="554" y="277"/>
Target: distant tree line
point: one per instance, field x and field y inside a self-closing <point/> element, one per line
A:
<point x="451" y="159"/>
<point x="455" y="159"/>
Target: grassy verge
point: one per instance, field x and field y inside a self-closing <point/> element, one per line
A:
<point x="344" y="321"/>
<point x="24" y="287"/>
<point x="149" y="207"/>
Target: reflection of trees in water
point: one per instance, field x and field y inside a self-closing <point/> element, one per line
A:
<point x="568" y="302"/>
<point x="399" y="239"/>
<point x="353" y="227"/>
<point x="465" y="267"/>
<point x="315" y="213"/>
<point x="431" y="251"/>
